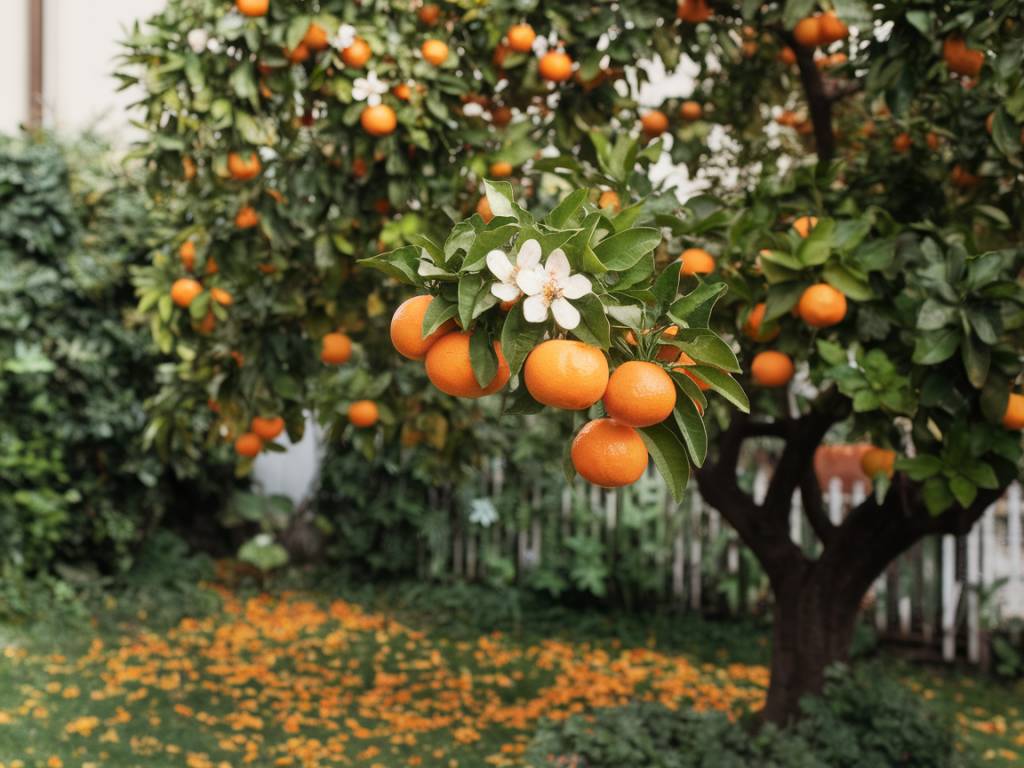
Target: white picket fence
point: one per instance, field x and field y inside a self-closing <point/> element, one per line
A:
<point x="946" y="593"/>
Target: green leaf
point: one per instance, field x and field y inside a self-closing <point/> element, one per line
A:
<point x="594" y="327"/>
<point x="563" y="213"/>
<point x="709" y="349"/>
<point x="817" y="246"/>
<point x="964" y="490"/>
<point x="831" y="353"/>
<point x="401" y="264"/>
<point x="933" y="315"/>
<point x="976" y="358"/>
<point x="936" y="495"/>
<point x="486" y="241"/>
<point x="691" y="426"/>
<point x="932" y="347"/>
<point x="843" y="280"/>
<point x="501" y="198"/>
<point x="667" y="285"/>
<point x="624" y="249"/>
<point x="669" y="457"/>
<point x="694" y="309"/>
<point x="723" y="384"/>
<point x="469" y="288"/>
<point x="518" y="338"/>
<point x="439" y="312"/>
<point x="482" y="358"/>
<point x="920" y="467"/>
<point x="782" y="298"/>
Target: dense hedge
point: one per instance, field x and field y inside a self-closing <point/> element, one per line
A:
<point x="78" y="492"/>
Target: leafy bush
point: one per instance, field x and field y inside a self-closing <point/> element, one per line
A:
<point x="76" y="487"/>
<point x="862" y="719"/>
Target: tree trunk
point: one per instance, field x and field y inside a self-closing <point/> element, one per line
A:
<point x="812" y="629"/>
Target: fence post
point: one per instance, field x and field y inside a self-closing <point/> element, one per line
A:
<point x="1015" y="585"/>
<point x="973" y="603"/>
<point x="695" y="553"/>
<point x="950" y="598"/>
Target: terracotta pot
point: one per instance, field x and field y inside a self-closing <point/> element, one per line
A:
<point x="842" y="461"/>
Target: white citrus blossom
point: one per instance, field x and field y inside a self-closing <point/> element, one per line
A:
<point x="507" y="271"/>
<point x="472" y="109"/>
<point x="552" y="287"/>
<point x="345" y="36"/>
<point x="197" y="39"/>
<point x="369" y="89"/>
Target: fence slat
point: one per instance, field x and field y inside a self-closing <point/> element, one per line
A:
<point x="973" y="604"/>
<point x="1015" y="582"/>
<point x="950" y="597"/>
<point x="695" y="551"/>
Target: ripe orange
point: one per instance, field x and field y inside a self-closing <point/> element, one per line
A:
<point x="501" y="170"/>
<point x="555" y="66"/>
<point x="771" y="369"/>
<point x="960" y="59"/>
<point x="222" y="297"/>
<point x="566" y="374"/>
<point x="449" y="369"/>
<point x="238" y="357"/>
<point x="901" y="143"/>
<point x="379" y="120"/>
<point x="963" y="178"/>
<point x="752" y="326"/>
<point x="521" y="37"/>
<point x="696" y="261"/>
<point x="434" y="51"/>
<point x="654" y="123"/>
<point x="804" y="224"/>
<point x="316" y="37"/>
<point x="691" y="110"/>
<point x="248" y="445"/>
<point x="188" y="167"/>
<point x="831" y="28"/>
<point x="1013" y="417"/>
<point x="407" y="328"/>
<point x="822" y="306"/>
<point x="211" y="266"/>
<point x="484" y="209"/>
<point x="253" y="7"/>
<point x="787" y="56"/>
<point x="184" y="291"/>
<point x="640" y="394"/>
<point x="807" y="32"/>
<point x="693" y="11"/>
<point x="298" y="54"/>
<point x="207" y="324"/>
<point x="878" y="461"/>
<point x="267" y="428"/>
<point x="336" y="349"/>
<point x="684" y="361"/>
<point x="402" y="91"/>
<point x="932" y="140"/>
<point x="357" y="54"/>
<point x="501" y="116"/>
<point x="243" y="168"/>
<point x="429" y="14"/>
<point x="609" y="454"/>
<point x="187" y="252"/>
<point x="363" y="413"/>
<point x="609" y="199"/>
<point x="246" y="218"/>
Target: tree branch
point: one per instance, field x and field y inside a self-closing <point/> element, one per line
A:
<point x="817" y="102"/>
<point x="814" y="510"/>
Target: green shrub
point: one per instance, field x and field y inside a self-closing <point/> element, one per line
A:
<point x="864" y="720"/>
<point x="649" y="735"/>
<point x="77" y="490"/>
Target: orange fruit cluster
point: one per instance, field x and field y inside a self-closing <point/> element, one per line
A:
<point x="960" y="59"/>
<point x="820" y="29"/>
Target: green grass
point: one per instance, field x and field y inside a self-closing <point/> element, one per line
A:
<point x="387" y="676"/>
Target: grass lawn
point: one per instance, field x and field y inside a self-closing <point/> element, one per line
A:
<point x="402" y="676"/>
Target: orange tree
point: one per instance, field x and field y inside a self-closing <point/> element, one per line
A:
<point x="874" y="276"/>
<point x="289" y="139"/>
